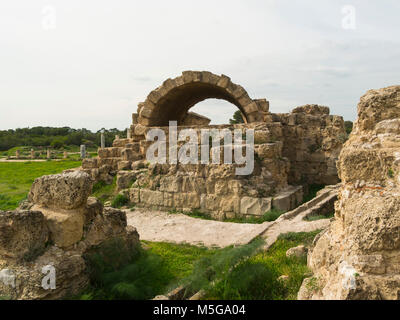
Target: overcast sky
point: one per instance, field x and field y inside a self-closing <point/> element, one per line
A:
<point x="88" y="63"/>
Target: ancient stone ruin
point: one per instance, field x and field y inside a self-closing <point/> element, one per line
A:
<point x="56" y="228"/>
<point x="292" y="150"/>
<point x="358" y="256"/>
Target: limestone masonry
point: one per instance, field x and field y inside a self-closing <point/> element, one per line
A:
<point x="358" y="256"/>
<point x="292" y="150"/>
<point x="58" y="225"/>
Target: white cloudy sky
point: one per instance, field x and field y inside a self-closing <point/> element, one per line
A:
<point x="100" y="58"/>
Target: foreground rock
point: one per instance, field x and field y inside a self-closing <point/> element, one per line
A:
<point x="358" y="257"/>
<point x="298" y="252"/>
<point x="34" y="242"/>
<point x="61" y="191"/>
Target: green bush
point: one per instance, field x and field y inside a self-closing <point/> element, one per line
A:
<point x="103" y="191"/>
<point x="312" y="192"/>
<point x="119" y="272"/>
<point x="57" y="144"/>
<point x="272" y="215"/>
<point x="119" y="201"/>
<point x="116" y="272"/>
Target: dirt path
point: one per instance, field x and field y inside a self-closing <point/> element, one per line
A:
<point x="178" y="228"/>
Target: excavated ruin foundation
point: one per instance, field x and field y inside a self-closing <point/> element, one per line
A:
<point x="292" y="150"/>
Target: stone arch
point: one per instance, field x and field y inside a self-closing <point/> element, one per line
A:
<point x="173" y="99"/>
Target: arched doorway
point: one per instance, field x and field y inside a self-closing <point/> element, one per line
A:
<point x="173" y="99"/>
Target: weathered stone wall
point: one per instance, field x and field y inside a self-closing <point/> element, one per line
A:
<point x="57" y="226"/>
<point x="358" y="257"/>
<point x="312" y="140"/>
<point x="292" y="149"/>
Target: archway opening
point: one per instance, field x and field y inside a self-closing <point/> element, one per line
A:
<point x="175" y="97"/>
<point x="218" y="111"/>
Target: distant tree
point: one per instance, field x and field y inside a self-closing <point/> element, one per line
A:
<point x="57" y="143"/>
<point x="54" y="137"/>
<point x="348" y="126"/>
<point x="237" y="118"/>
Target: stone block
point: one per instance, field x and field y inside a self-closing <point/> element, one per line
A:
<point x="124" y="165"/>
<point x="230" y="205"/>
<point x="134" y="195"/>
<point x="288" y="199"/>
<point x="151" y="198"/>
<point x="22" y="233"/>
<point x="255" y="206"/>
<point x="168" y="200"/>
<point x="66" y="191"/>
<point x="89" y="163"/>
<point x="125" y="179"/>
<point x="65" y="226"/>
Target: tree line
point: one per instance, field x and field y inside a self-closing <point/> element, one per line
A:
<point x="56" y="138"/>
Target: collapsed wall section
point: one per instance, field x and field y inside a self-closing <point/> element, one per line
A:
<point x="312" y="140"/>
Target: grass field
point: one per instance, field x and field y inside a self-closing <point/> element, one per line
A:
<point x="222" y="273"/>
<point x="16" y="178"/>
<point x="153" y="271"/>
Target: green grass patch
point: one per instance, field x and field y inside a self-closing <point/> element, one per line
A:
<point x="194" y="214"/>
<point x="119" y="201"/>
<point x="179" y="259"/>
<point x="231" y="273"/>
<point x="119" y="274"/>
<point x="16" y="178"/>
<point x="104" y="192"/>
<point x="269" y="216"/>
<point x="312" y="192"/>
<point x="213" y="269"/>
<point x="257" y="277"/>
<point x="319" y="217"/>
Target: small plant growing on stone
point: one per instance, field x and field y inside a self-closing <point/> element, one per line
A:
<point x="391" y="173"/>
<point x="313" y="284"/>
<point x="119" y="201"/>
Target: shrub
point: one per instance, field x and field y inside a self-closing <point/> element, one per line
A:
<point x="272" y="215"/>
<point x="119" y="272"/>
<point x="312" y="192"/>
<point x="57" y="143"/>
<point x="119" y="201"/>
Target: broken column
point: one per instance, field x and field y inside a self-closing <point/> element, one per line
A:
<point x="102" y="140"/>
<point x="83" y="151"/>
